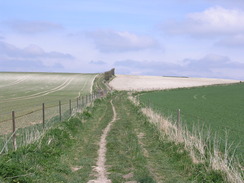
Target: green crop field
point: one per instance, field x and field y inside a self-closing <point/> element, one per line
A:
<point x="220" y="108"/>
<point x="24" y="93"/>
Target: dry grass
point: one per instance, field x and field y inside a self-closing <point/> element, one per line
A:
<point x="198" y="143"/>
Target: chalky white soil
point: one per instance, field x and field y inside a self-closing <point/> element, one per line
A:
<point x="146" y="83"/>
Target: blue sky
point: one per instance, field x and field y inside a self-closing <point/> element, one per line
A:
<point x="195" y="38"/>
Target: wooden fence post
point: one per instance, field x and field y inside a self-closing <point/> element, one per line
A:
<point x="60" y="110"/>
<point x="14" y="131"/>
<point x="43" y="115"/>
<point x="70" y="109"/>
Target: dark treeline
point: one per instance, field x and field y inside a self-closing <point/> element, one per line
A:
<point x="109" y="74"/>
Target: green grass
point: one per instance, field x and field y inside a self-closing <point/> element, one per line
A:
<point x="218" y="107"/>
<point x="24" y="93"/>
<point x="68" y="145"/>
<point x="99" y="83"/>
<point x="135" y="147"/>
<point x="68" y="151"/>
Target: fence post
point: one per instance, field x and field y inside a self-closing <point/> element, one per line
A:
<point x="60" y="114"/>
<point x="178" y="119"/>
<point x="77" y="101"/>
<point x="14" y="131"/>
<point x="43" y="115"/>
<point x="70" y="109"/>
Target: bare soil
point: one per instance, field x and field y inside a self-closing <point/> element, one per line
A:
<point x="147" y="83"/>
<point x="100" y="169"/>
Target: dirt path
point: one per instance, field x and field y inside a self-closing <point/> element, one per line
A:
<point x="100" y="169"/>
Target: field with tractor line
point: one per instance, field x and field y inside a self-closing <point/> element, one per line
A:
<point x="25" y="93"/>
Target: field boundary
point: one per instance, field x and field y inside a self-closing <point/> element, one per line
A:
<point x="201" y="149"/>
<point x="34" y="128"/>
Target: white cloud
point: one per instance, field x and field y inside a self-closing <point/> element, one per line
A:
<point x="208" y="62"/>
<point x="146" y="67"/>
<point x="212" y="65"/>
<point x="32" y="27"/>
<point x="236" y="41"/>
<point x="236" y="2"/>
<point x="30" y="57"/>
<point x="97" y="62"/>
<point x="213" y="21"/>
<point x="115" y="41"/>
<point x="15" y="65"/>
<point x="32" y="51"/>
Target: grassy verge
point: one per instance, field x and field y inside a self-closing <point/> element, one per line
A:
<point x="136" y="152"/>
<point x="66" y="153"/>
<point x="219" y="108"/>
<point x="99" y="83"/>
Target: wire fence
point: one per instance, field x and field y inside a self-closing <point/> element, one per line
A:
<point x="22" y="127"/>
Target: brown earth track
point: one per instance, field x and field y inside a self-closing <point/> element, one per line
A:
<point x="100" y="169"/>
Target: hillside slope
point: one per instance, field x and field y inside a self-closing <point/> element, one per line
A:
<point x="142" y="83"/>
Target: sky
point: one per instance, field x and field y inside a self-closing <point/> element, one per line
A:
<point x="193" y="38"/>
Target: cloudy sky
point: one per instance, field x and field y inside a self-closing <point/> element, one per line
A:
<point x="196" y="38"/>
